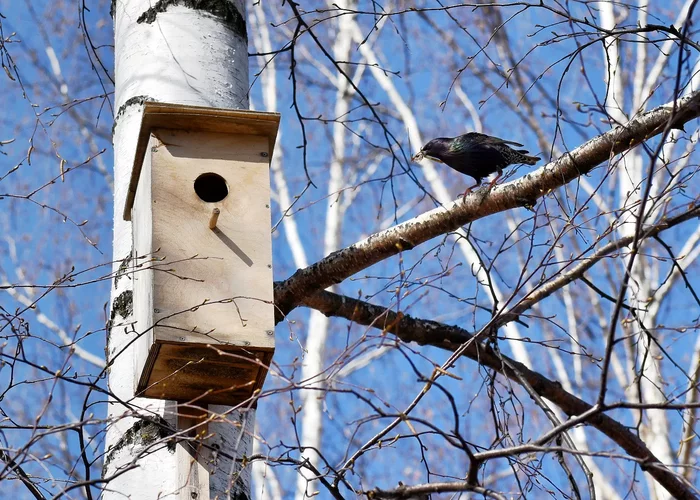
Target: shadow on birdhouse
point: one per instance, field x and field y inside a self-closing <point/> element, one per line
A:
<point x="199" y="201"/>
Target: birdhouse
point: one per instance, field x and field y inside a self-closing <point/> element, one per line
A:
<point x="199" y="202"/>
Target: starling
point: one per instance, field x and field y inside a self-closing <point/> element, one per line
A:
<point x="476" y="155"/>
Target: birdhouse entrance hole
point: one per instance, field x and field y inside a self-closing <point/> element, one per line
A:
<point x="211" y="187"/>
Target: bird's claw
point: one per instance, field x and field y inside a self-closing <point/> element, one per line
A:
<point x="468" y="191"/>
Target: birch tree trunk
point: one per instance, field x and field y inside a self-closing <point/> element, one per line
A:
<point x="197" y="55"/>
<point x="631" y="173"/>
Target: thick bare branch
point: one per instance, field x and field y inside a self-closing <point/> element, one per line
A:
<point x="451" y="338"/>
<point x="424" y="490"/>
<point x="525" y="191"/>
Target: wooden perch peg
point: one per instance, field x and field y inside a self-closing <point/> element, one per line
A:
<point x="214" y="218"/>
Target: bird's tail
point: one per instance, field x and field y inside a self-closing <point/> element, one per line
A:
<point x="524" y="157"/>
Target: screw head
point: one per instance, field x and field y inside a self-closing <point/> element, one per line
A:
<point x="264" y="154"/>
<point x="270" y="332"/>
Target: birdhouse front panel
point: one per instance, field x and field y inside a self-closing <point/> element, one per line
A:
<point x="201" y="217"/>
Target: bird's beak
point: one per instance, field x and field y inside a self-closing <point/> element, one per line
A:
<point x="418" y="156"/>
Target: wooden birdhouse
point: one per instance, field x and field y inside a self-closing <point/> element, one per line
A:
<point x="199" y="202"/>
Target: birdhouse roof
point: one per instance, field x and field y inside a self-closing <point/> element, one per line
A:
<point x="200" y="119"/>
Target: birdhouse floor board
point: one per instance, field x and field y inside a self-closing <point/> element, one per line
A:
<point x="205" y="375"/>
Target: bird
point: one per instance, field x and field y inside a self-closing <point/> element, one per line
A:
<point x="476" y="155"/>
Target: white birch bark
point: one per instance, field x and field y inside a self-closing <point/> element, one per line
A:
<point x="630" y="175"/>
<point x="180" y="55"/>
<point x="312" y="376"/>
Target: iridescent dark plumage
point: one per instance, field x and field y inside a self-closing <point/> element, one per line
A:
<point x="476" y="155"/>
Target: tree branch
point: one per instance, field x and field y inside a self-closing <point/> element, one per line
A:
<point x="422" y="491"/>
<point x="578" y="270"/>
<point x="342" y="264"/>
<point x="21" y="475"/>
<point x="451" y="338"/>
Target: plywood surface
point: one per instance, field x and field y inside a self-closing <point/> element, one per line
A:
<point x="212" y="286"/>
<point x="142" y="263"/>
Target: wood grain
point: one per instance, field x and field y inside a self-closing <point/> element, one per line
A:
<point x="203" y="298"/>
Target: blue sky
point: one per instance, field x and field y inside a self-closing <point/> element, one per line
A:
<point x="44" y="239"/>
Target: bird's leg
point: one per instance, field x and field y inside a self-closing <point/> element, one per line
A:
<point x="469" y="190"/>
<point x="493" y="182"/>
<point x="490" y="186"/>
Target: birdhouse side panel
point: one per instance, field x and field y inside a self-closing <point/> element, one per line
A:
<point x="143" y="266"/>
<point x="214" y="286"/>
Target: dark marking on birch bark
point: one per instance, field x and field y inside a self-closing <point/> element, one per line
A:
<point x="143" y="434"/>
<point x="239" y="494"/>
<point x="404" y="244"/>
<point x="108" y="365"/>
<point x="122" y="305"/>
<point x="223" y="9"/>
<point x="136" y="100"/>
<point x="123" y="269"/>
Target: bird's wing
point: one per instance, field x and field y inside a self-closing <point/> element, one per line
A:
<point x="487" y="139"/>
<point x="475" y="143"/>
<point x="476" y="159"/>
